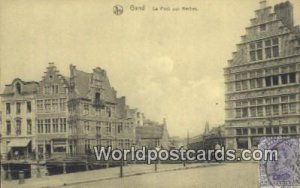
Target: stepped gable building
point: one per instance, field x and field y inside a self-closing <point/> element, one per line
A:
<point x="61" y="116"/>
<point x="52" y="114"/>
<point x="262" y="79"/>
<point x="18" y="117"/>
<point x="96" y="117"/>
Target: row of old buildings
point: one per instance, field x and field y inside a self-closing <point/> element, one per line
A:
<point x="62" y="115"/>
<point x="262" y="82"/>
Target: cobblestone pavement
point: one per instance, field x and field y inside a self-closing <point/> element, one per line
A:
<point x="233" y="175"/>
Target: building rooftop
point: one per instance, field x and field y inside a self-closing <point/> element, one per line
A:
<point x="150" y="132"/>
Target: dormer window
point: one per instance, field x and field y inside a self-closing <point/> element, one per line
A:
<point x="97" y="101"/>
<point x="18" y="88"/>
<point x="97" y="96"/>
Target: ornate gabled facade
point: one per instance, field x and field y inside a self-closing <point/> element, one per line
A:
<point x="94" y="118"/>
<point x="52" y="113"/>
<point x="18" y="117"/>
<point x="262" y="79"/>
<point x="62" y="116"/>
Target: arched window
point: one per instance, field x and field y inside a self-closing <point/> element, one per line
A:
<point x="18" y="87"/>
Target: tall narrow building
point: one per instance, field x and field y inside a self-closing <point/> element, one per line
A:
<point x="262" y="79"/>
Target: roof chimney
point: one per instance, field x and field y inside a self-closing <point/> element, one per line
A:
<point x="284" y="12"/>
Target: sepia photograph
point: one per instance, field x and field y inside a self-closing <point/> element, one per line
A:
<point x="146" y="94"/>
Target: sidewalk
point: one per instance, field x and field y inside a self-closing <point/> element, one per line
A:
<point x="97" y="175"/>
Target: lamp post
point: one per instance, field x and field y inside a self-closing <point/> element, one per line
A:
<point x="157" y="161"/>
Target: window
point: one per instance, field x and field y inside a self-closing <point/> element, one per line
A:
<point x="293" y="129"/>
<point x="120" y="128"/>
<point x="18" y="87"/>
<point x="252" y="74"/>
<point x="238" y="113"/>
<point x="47" y="125"/>
<point x="28" y="106"/>
<point x="86" y="127"/>
<point x="256" y="52"/>
<point x="269" y="130"/>
<point x="29" y="127"/>
<point x="253" y="131"/>
<point x="276" y="70"/>
<point x="260" y="130"/>
<point x="18" y="108"/>
<point x="40" y="126"/>
<point x="252" y="84"/>
<point x="285" y="130"/>
<point x="276" y="100"/>
<point x="62" y="124"/>
<point x="54" y="125"/>
<point x="268" y="71"/>
<point x="260" y="111"/>
<point x="284" y="108"/>
<point x="268" y="81"/>
<point x="47" y="105"/>
<point x="242" y="143"/>
<point x="276" y="130"/>
<point x="97" y="97"/>
<point x="238" y="86"/>
<point x="292" y="108"/>
<point x="40" y="106"/>
<point x="259" y="82"/>
<point x="268" y="111"/>
<point x="18" y="127"/>
<point x="108" y="127"/>
<point x="275" y="80"/>
<point x="260" y="101"/>
<point x="55" y="105"/>
<point x="108" y="111"/>
<point x="263" y="27"/>
<point x="7" y="108"/>
<point x="292" y="77"/>
<point x="98" y="128"/>
<point x="252" y="102"/>
<point x="284" y="99"/>
<point x="271" y="48"/>
<point x="253" y="111"/>
<point x="245" y="103"/>
<point x="62" y="104"/>
<point x="284" y="78"/>
<point x="292" y="98"/>
<point x="245" y="112"/>
<point x="86" y="109"/>
<point x="8" y="128"/>
<point x="268" y="100"/>
<point x="276" y="110"/>
<point x="245" y="84"/>
<point x="238" y="131"/>
<point x="238" y="103"/>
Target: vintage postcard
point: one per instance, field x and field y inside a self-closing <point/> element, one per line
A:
<point x="178" y="93"/>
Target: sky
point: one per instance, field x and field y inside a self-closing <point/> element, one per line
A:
<point x="167" y="63"/>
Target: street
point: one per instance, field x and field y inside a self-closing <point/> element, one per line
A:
<point x="228" y="175"/>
